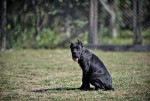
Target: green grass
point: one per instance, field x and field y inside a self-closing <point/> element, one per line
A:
<point x="51" y="75"/>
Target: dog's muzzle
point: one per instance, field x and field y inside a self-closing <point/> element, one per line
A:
<point x="75" y="59"/>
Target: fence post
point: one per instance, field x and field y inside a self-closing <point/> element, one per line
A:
<point x="92" y="38"/>
<point x="137" y="11"/>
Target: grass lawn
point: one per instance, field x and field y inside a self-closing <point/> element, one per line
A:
<point x="52" y="75"/>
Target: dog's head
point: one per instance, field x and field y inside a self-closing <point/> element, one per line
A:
<point x="76" y="50"/>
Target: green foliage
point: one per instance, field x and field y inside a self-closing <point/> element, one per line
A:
<point x="56" y="15"/>
<point x="104" y="31"/>
<point x="115" y="41"/>
<point x="49" y="39"/>
<point x="146" y="36"/>
<point x="46" y="39"/>
<point x="15" y="37"/>
<point x="126" y="34"/>
<point x="125" y="37"/>
<point x="80" y="23"/>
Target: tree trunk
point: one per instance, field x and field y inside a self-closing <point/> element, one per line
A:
<point x="92" y="38"/>
<point x="24" y="15"/>
<point x="137" y="9"/>
<point x="37" y="26"/>
<point x="37" y="19"/>
<point x="3" y="25"/>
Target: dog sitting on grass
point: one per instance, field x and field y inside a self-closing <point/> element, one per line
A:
<point x="93" y="69"/>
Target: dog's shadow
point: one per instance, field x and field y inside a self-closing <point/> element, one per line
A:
<point x="57" y="89"/>
<point x="54" y="89"/>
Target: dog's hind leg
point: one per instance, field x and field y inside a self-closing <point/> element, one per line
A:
<point x="98" y="85"/>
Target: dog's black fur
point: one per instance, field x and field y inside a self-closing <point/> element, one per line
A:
<point x="94" y="71"/>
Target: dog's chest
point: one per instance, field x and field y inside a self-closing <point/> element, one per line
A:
<point x="84" y="64"/>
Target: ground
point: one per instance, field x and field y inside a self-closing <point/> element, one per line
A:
<point x="53" y="75"/>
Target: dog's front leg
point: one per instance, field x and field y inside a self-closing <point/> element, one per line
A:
<point x="85" y="77"/>
<point x="85" y="81"/>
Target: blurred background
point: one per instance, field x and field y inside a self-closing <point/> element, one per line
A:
<point x="54" y="23"/>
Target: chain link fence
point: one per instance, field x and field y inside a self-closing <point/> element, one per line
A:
<point x="52" y="23"/>
<point x="115" y="19"/>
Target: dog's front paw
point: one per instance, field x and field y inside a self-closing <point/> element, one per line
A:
<point x="84" y="88"/>
<point x="81" y="88"/>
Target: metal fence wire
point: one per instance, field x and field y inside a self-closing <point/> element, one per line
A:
<point x="115" y="18"/>
<point x="57" y="21"/>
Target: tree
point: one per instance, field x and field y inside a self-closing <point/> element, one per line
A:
<point x="37" y="19"/>
<point x="3" y="25"/>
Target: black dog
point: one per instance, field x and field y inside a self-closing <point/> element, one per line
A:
<point x="94" y="71"/>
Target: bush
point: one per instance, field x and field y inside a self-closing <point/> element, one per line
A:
<point x="146" y="34"/>
<point x="125" y="34"/>
<point x="146" y="37"/>
<point x="49" y="39"/>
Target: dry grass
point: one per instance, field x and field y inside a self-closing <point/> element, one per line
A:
<point x="52" y="75"/>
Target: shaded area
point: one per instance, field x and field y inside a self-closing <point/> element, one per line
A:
<point x="59" y="89"/>
<point x="136" y="48"/>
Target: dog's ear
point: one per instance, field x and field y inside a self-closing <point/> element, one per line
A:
<point x="71" y="44"/>
<point x="79" y="42"/>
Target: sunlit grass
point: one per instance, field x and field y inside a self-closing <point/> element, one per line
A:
<point x="52" y="75"/>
